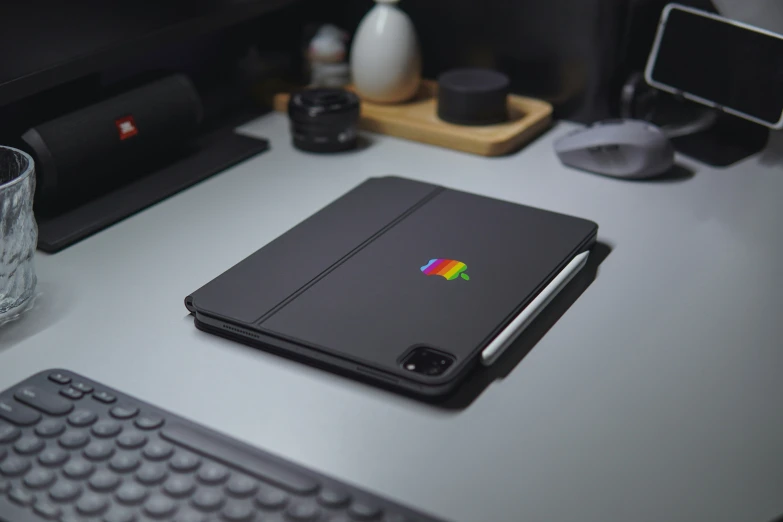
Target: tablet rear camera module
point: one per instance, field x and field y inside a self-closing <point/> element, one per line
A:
<point x="427" y="361"/>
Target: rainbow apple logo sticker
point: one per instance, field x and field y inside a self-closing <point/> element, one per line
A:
<point x="447" y="268"/>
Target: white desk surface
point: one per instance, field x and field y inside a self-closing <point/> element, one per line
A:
<point x="656" y="397"/>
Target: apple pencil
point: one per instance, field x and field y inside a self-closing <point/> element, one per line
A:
<point x="517" y="325"/>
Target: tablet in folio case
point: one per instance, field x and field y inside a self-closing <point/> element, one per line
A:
<point x="393" y="272"/>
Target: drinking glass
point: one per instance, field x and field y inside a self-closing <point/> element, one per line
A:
<point x="18" y="232"/>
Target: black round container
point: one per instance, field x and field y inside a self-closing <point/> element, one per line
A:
<point x="324" y="120"/>
<point x="473" y="96"/>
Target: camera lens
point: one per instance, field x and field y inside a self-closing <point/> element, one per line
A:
<point x="324" y="120"/>
<point x="427" y="361"/>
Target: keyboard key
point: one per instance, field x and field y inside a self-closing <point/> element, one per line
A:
<point x="124" y="412"/>
<point x="333" y="498"/>
<point x="43" y="401"/>
<point x="3" y="453"/>
<point x="46" y="510"/>
<point x="74" y="439"/>
<point x="149" y="422"/>
<point x="119" y="515"/>
<point x="65" y="491"/>
<point x="18" y="414"/>
<point x="78" y="469"/>
<point x="29" y="445"/>
<point x="82" y="387"/>
<point x="302" y="511"/>
<point x="53" y="457"/>
<point x="50" y="428"/>
<point x="82" y="418"/>
<point x="241" y="486"/>
<point x="104" y="480"/>
<point x="104" y="397"/>
<point x="158" y="451"/>
<point x="124" y="463"/>
<point x="39" y="478"/>
<point x="212" y="474"/>
<point x="150" y="474"/>
<point x="99" y="450"/>
<point x="235" y="511"/>
<point x="91" y="504"/>
<point x="271" y="498"/>
<point x="8" y="433"/>
<point x="184" y="462"/>
<point x="21" y="497"/>
<point x="71" y="393"/>
<point x="4" y="486"/>
<point x="131" y="493"/>
<point x="131" y="440"/>
<point x="179" y="486"/>
<point x="364" y="511"/>
<point x="59" y="378"/>
<point x="208" y="499"/>
<point x="106" y="429"/>
<point x="14" y="466"/>
<point x="158" y="506"/>
<point x="197" y="439"/>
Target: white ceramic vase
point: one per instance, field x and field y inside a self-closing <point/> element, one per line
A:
<point x="385" y="58"/>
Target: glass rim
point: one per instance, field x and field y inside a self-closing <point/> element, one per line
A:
<point x="24" y="175"/>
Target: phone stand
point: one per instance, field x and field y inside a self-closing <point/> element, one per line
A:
<point x="705" y="134"/>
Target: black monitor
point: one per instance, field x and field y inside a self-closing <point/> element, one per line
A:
<point x="44" y="43"/>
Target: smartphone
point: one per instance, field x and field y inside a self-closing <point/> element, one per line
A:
<point x="718" y="62"/>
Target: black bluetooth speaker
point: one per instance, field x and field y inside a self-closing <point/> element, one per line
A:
<point x="94" y="149"/>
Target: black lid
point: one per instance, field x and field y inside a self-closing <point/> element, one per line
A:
<point x="473" y="96"/>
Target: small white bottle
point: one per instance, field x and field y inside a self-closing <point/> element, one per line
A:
<point x="385" y="57"/>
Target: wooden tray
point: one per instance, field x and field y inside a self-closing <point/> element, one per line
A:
<point x="417" y="120"/>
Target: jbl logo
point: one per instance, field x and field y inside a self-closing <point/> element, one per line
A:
<point x="126" y="127"/>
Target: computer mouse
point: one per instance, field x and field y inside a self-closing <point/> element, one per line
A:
<point x="630" y="149"/>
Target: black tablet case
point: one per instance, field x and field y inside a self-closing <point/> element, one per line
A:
<point x="344" y="289"/>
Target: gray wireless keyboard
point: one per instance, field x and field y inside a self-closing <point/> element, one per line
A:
<point x="74" y="450"/>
